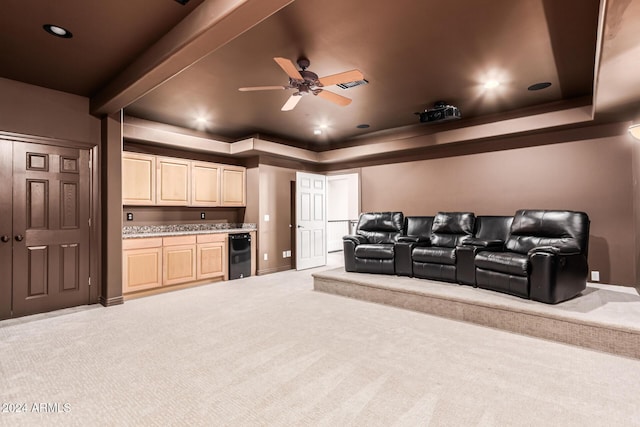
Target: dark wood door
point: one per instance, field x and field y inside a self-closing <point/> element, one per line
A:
<point x="51" y="211"/>
<point x="6" y="227"/>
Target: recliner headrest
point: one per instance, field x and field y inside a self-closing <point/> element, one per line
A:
<point x="454" y="223"/>
<point x="381" y="221"/>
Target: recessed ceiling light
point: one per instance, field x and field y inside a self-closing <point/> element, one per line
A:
<point x="201" y="120"/>
<point x="363" y="126"/>
<point x="491" y="84"/>
<point x="57" y="31"/>
<point x="539" y="86"/>
<point x="317" y="131"/>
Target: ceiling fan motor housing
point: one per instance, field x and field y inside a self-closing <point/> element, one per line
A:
<point x="303" y="63"/>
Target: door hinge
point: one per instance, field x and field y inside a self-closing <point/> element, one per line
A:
<point x="89" y="222"/>
<point x="90" y="163"/>
<point x="89" y="281"/>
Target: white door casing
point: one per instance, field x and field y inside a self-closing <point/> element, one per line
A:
<point x="311" y="221"/>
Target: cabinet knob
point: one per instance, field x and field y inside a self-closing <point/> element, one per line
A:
<point x="19" y="238"/>
<point x="4" y="238"/>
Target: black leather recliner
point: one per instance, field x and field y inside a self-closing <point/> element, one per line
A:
<point x="544" y="259"/>
<point x="418" y="231"/>
<point x="438" y="261"/>
<point x="371" y="249"/>
<point x="490" y="235"/>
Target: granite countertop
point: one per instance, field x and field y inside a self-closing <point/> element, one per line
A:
<point x="139" y="231"/>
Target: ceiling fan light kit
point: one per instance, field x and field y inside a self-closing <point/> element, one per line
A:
<point x="306" y="82"/>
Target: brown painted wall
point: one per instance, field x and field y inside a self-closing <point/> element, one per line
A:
<point x="274" y="236"/>
<point x="146" y="215"/>
<point x="594" y="176"/>
<point x="33" y="110"/>
<point x="636" y="206"/>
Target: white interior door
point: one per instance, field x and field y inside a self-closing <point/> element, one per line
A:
<point x="311" y="221"/>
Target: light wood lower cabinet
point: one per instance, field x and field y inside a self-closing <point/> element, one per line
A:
<point x="212" y="258"/>
<point x="141" y="264"/>
<point x="150" y="263"/>
<point x="178" y="260"/>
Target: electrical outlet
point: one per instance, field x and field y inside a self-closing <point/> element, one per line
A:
<point x="266" y="257"/>
<point x="129" y="216"/>
<point x="202" y="215"/>
<point x="595" y="276"/>
<point x="266" y="218"/>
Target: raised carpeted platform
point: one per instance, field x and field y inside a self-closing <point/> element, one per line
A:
<point x="604" y="317"/>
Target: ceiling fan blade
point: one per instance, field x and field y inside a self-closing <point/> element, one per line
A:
<point x="289" y="68"/>
<point x="291" y="103"/>
<point x="249" y="89"/>
<point x="334" y="97"/>
<point x="346" y="77"/>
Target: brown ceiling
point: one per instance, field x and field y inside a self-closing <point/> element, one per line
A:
<point x="413" y="53"/>
<point x="107" y="36"/>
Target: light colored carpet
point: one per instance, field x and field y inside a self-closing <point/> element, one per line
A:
<point x="270" y="351"/>
<point x="603" y="317"/>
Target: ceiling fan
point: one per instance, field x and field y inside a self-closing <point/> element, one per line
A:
<point x="306" y="82"/>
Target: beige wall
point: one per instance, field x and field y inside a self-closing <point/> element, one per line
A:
<point x="594" y="176"/>
<point x="33" y="110"/>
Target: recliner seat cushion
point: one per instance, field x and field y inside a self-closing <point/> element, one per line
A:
<point x="435" y="255"/>
<point x="503" y="262"/>
<point x="375" y="251"/>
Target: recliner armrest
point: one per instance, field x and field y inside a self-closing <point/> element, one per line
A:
<point x="355" y="238"/>
<point x="556" y="250"/>
<point x="413" y="239"/>
<point x="483" y="243"/>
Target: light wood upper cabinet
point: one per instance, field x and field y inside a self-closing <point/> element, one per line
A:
<point x="173" y="181"/>
<point x="233" y="186"/>
<point x="141" y="264"/>
<point x="205" y="184"/>
<point x="138" y="179"/>
<point x="168" y="181"/>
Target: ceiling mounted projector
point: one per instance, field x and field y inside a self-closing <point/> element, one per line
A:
<point x="441" y="111"/>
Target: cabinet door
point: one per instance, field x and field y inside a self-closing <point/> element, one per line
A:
<point x="212" y="256"/>
<point x="205" y="184"/>
<point x="178" y="264"/>
<point x="212" y="260"/>
<point x="142" y="269"/>
<point x="174" y="181"/>
<point x="138" y="179"/>
<point x="233" y="186"/>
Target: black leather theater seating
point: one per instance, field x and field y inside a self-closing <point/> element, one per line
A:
<point x="372" y="248"/>
<point x="536" y="254"/>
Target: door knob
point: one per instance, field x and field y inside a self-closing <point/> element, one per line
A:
<point x="4" y="238"/>
<point x="19" y="238"/>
